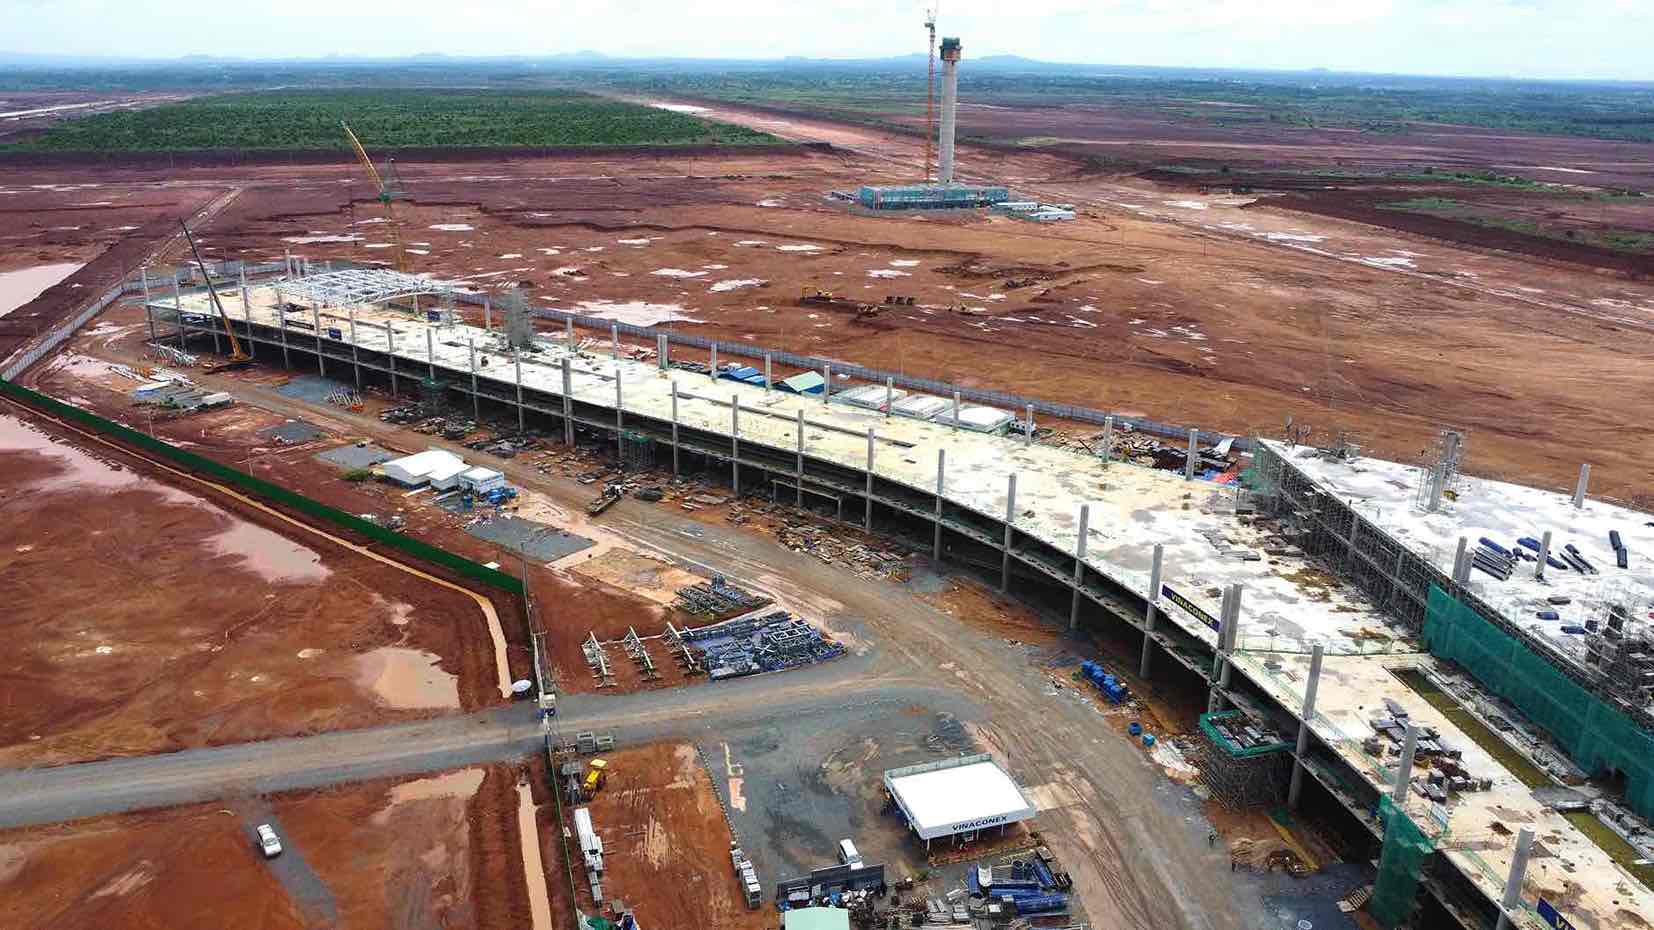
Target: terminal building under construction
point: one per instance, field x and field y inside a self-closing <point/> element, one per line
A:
<point x="1304" y="594"/>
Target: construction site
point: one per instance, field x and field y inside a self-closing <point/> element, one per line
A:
<point x="897" y="531"/>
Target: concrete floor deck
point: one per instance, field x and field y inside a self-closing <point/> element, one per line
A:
<point x="1288" y="604"/>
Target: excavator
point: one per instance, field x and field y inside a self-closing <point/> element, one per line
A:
<point x="238" y="358"/>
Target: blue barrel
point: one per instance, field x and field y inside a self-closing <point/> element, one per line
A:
<point x="1148" y="739"/>
<point x="1135" y="728"/>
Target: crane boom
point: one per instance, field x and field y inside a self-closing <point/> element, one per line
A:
<point x="237" y="357"/>
<point x="384" y="193"/>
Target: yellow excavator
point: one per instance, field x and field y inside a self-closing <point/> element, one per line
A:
<point x="238" y="358"/>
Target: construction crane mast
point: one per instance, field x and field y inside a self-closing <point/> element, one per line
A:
<point x="930" y="89"/>
<point x="238" y="358"/>
<point x="386" y="192"/>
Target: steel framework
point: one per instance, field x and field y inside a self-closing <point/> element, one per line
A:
<point x="357" y="286"/>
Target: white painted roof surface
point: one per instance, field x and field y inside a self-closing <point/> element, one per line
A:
<point x="445" y="470"/>
<point x="958" y="798"/>
<point x="974" y="417"/>
<point x="480" y="473"/>
<point x="1383" y="493"/>
<point x="922" y="406"/>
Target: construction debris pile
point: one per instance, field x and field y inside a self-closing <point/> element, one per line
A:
<point x="718" y="599"/>
<point x="750" y="645"/>
<point x="1443" y="770"/>
<point x="174" y="392"/>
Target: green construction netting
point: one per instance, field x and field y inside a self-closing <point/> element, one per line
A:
<point x="1598" y="736"/>
<point x="1228" y="745"/>
<point x="1395" y="892"/>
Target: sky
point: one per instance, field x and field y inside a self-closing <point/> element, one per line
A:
<point x="1606" y="39"/>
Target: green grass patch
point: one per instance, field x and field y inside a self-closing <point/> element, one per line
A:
<point x="389" y="119"/>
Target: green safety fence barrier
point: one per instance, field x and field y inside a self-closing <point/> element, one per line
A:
<point x="206" y="467"/>
<point x="1597" y="736"/>
<point x="1400" y="866"/>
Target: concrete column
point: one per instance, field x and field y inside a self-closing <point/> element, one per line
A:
<point x="315" y="327"/>
<point x="712" y="371"/>
<point x="798" y="479"/>
<point x="1584" y="481"/>
<point x="1296" y="788"/>
<point x="517" y="363"/>
<point x="476" y="402"/>
<point x="620" y="419"/>
<point x="826" y="383"/>
<point x="287" y="261"/>
<point x="430" y="353"/>
<point x="674" y="428"/>
<point x="1404" y="775"/>
<point x="1108" y="439"/>
<point x="889" y="395"/>
<point x="1461" y="561"/>
<point x="487" y="314"/>
<point x="1544" y="553"/>
<point x="614" y="340"/>
<point x="1194" y="448"/>
<point x="568" y="403"/>
<point x="1150" y="611"/>
<point x="149" y="317"/>
<point x="281" y="318"/>
<point x="867" y="521"/>
<point x="956" y="411"/>
<point x="178" y="310"/>
<point x="767" y="382"/>
<point x="1010" y="527"/>
<point x="1028" y="427"/>
<point x="941" y="484"/>
<point x="1079" y="567"/>
<point x="390" y="351"/>
<point x="735" y="442"/>
<point x="568" y="327"/>
<point x="1513" y="881"/>
<point x="247" y="316"/>
<point x="143" y="279"/>
<point x="661" y="351"/>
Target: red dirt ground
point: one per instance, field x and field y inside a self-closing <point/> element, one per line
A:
<point x="1227" y="317"/>
<point x="438" y="851"/>
<point x="150" y="619"/>
<point x="666" y="844"/>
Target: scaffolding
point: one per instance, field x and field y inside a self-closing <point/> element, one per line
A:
<point x="1242" y="762"/>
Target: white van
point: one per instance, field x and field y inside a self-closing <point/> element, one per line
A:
<point x="848" y="855"/>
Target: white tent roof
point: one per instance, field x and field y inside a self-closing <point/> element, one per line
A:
<point x="422" y="464"/>
<point x="957" y="796"/>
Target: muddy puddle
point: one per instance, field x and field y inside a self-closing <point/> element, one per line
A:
<point x="25" y="284"/>
<point x="407" y="678"/>
<point x="534" y="872"/>
<point x="274" y="557"/>
<point x="78" y="470"/>
<point x="460" y="786"/>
